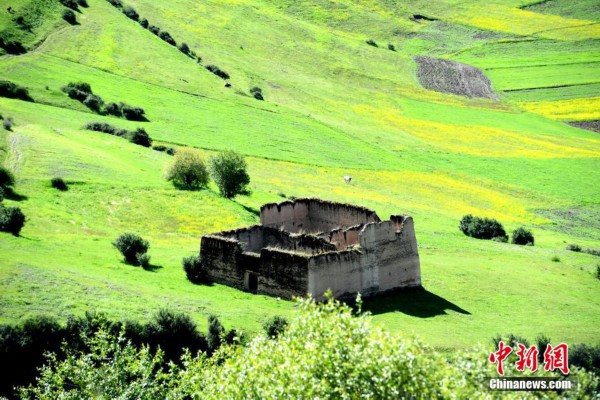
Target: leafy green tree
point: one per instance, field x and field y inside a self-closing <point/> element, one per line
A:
<point x="187" y="171"/>
<point x="229" y="171"/>
<point x="111" y="369"/>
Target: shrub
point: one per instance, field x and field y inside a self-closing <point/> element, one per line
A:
<point x="143" y="260"/>
<point x="13" y="47"/>
<point x="598" y="271"/>
<point x="555" y="259"/>
<point x="522" y="236"/>
<point x="8" y="124"/>
<point x="2" y="194"/>
<point x="391" y="47"/>
<point x="59" y="183"/>
<point x="481" y="228"/>
<point x="195" y="271"/>
<point x="184" y="48"/>
<point x="171" y="151"/>
<point x="274" y="326"/>
<point x="228" y="170"/>
<point x="82" y="3"/>
<point x="166" y="36"/>
<point x="78" y="90"/>
<point x="116" y="3"/>
<point x="12" y="220"/>
<point x="371" y="42"/>
<point x="7" y="179"/>
<point x="154" y="29"/>
<point x="132" y="113"/>
<point x="593" y="252"/>
<point x="131" y="13"/>
<point x="113" y="109"/>
<point x="130" y="245"/>
<point x="585" y="356"/>
<point x="94" y="103"/>
<point x="215" y="333"/>
<point x="72" y="4"/>
<point x="105" y="128"/>
<point x="14" y="91"/>
<point x="542" y="342"/>
<point x="143" y="22"/>
<point x="140" y="137"/>
<point x="69" y="16"/>
<point x="172" y="332"/>
<point x="574" y="247"/>
<point x="217" y="71"/>
<point x="256" y="92"/>
<point x="188" y="170"/>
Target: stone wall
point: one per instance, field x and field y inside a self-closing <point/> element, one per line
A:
<point x="314" y="215"/>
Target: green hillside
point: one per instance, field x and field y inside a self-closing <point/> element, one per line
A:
<point x="334" y="106"/>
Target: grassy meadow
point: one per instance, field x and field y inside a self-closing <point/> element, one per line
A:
<point x="334" y="106"/>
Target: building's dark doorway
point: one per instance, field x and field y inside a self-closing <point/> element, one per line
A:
<point x="252" y="282"/>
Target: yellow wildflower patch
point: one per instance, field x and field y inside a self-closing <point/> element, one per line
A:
<point x="566" y="110"/>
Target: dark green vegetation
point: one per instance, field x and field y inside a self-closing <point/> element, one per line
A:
<point x="188" y="170"/>
<point x="326" y="353"/>
<point x="482" y="228"/>
<point x="194" y="270"/>
<point x="14" y="91"/>
<point x="132" y="246"/>
<point x="59" y="184"/>
<point x="336" y="106"/>
<point x="522" y="236"/>
<point x="229" y="171"/>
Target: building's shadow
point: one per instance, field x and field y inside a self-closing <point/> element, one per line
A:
<point x="417" y="302"/>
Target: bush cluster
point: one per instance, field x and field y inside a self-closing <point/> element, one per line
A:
<point x="169" y="150"/>
<point x="371" y="42"/>
<point x="132" y="247"/>
<point x="574" y="247"/>
<point x="131" y="13"/>
<point x="72" y="4"/>
<point x="139" y="136"/>
<point x="14" y="91"/>
<point x="12" y="47"/>
<point x="256" y="92"/>
<point x="195" y="271"/>
<point x="82" y="92"/>
<point x="217" y="71"/>
<point x="482" y="228"/>
<point x="166" y="36"/>
<point x="22" y="347"/>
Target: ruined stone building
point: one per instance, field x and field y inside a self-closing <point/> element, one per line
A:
<point x="309" y="246"/>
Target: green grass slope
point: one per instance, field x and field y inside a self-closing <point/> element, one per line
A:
<point x="334" y="106"/>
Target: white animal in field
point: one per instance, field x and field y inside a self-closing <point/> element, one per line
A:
<point x="347" y="179"/>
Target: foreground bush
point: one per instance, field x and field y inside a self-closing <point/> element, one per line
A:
<point x="131" y="246"/>
<point x="187" y="170"/>
<point x="482" y="228"/>
<point x="326" y="352"/>
<point x="12" y="220"/>
<point x="194" y="269"/>
<point x="522" y="236"/>
<point x="228" y="170"/>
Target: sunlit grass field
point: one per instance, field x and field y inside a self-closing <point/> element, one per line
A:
<point x="334" y="106"/>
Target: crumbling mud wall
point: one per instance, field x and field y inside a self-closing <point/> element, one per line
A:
<point x="448" y="76"/>
<point x="386" y="259"/>
<point x="314" y="215"/>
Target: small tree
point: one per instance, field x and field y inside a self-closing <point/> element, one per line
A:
<point x="131" y="245"/>
<point x="187" y="170"/>
<point x="215" y="333"/>
<point x="522" y="236"/>
<point x="228" y="170"/>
